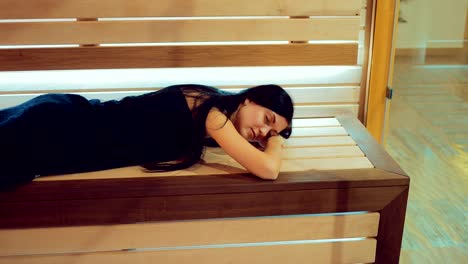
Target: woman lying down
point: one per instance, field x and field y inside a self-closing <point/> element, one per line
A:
<point x="162" y="131"/>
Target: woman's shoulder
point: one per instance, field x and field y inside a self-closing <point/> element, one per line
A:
<point x="195" y="94"/>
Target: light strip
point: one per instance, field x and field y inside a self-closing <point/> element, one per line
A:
<point x="38" y="46"/>
<point x="188" y="18"/>
<point x="194" y="43"/>
<point x="37" y="20"/>
<point x="162" y="77"/>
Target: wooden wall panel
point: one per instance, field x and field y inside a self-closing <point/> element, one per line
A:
<point x="186" y="233"/>
<point x="10" y="9"/>
<point x="177" y="56"/>
<point x="149" y="31"/>
<point x="362" y="251"/>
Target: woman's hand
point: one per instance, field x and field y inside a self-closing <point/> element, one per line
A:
<point x="274" y="137"/>
<point x="277" y="140"/>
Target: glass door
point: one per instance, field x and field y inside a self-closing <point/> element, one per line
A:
<point x="427" y="128"/>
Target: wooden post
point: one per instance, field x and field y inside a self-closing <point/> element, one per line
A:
<point x="380" y="65"/>
<point x="392" y="220"/>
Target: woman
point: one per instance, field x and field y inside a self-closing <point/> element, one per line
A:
<point x="163" y="130"/>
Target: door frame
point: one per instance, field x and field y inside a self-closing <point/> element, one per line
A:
<point x="381" y="67"/>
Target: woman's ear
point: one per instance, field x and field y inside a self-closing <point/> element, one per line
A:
<point x="247" y="101"/>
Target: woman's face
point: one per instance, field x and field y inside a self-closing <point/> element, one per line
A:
<point x="256" y="123"/>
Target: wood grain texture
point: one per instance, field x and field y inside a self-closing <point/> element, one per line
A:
<point x="369" y="146"/>
<point x="56" y="188"/>
<point x="11" y="9"/>
<point x="140" y="208"/>
<point x="315" y="122"/>
<point x="319" y="141"/>
<point x="150" y="31"/>
<point x="318" y="131"/>
<point x="325" y="110"/>
<point x="380" y="65"/>
<point x="368" y="21"/>
<point x="30" y="241"/>
<point x="391" y="229"/>
<point x="337" y="94"/>
<point x="362" y="251"/>
<point x="322" y="152"/>
<point x="218" y="164"/>
<point x="177" y="56"/>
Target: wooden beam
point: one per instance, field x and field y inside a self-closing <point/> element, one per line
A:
<point x="177" y="56"/>
<point x="24" y="9"/>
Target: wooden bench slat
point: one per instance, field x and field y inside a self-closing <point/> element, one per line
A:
<point x="344" y="94"/>
<point x="313" y="122"/>
<point x="193" y="56"/>
<point x="309" y="111"/>
<point x="361" y="251"/>
<point x="322" y="152"/>
<point x="8" y="99"/>
<point x="326" y="164"/>
<point x="10" y="9"/>
<point x="148" y="31"/>
<point x="300" y="95"/>
<point x="301" y="142"/>
<point x="300" y="111"/>
<point x="186" y="233"/>
<point x="217" y="168"/>
<point x="318" y="131"/>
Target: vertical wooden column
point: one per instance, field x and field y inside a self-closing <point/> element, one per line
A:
<point x="87" y="20"/>
<point x="362" y="112"/>
<point x="380" y="65"/>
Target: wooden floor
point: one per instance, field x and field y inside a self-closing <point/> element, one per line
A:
<point x="428" y="136"/>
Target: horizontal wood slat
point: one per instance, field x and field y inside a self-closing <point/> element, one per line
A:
<point x="11" y="9"/>
<point x="186" y="233"/>
<point x="310" y="111"/>
<point x="100" y="32"/>
<point x="333" y="95"/>
<point x="177" y="56"/>
<point x="318" y="132"/>
<point x="322" y="152"/>
<point x="344" y="94"/>
<point x="301" y="142"/>
<point x="301" y="111"/>
<point x="361" y="251"/>
<point x="216" y="168"/>
<point x="326" y="164"/>
<point x="315" y="122"/>
<point x="139" y="184"/>
<point x="218" y="204"/>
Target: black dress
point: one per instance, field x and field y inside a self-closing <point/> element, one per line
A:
<point x="66" y="133"/>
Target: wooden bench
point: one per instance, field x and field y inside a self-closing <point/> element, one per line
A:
<point x="340" y="197"/>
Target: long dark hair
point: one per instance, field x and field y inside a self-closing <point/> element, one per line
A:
<point x="269" y="96"/>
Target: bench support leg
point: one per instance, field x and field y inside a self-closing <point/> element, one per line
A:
<point x="392" y="220"/>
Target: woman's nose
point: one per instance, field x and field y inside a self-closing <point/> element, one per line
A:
<point x="264" y="131"/>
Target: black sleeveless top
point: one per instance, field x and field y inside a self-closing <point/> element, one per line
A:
<point x="66" y="133"/>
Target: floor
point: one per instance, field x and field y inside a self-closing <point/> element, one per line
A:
<point x="428" y="136"/>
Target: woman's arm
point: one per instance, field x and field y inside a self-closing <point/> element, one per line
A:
<point x="265" y="165"/>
